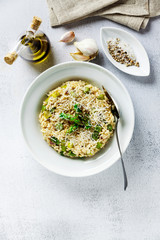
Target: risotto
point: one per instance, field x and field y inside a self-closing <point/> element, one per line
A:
<point x="76" y="119"/>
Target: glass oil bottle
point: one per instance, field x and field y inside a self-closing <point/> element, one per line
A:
<point x="33" y="46"/>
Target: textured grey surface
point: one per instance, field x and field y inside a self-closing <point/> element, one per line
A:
<point x="36" y="204"/>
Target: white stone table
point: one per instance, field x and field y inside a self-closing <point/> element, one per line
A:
<point x="36" y="204"/>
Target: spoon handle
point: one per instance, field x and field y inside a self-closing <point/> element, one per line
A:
<point x="123" y="167"/>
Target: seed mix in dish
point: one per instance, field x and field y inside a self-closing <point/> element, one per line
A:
<point x="76" y="119"/>
<point x="121" y="52"/>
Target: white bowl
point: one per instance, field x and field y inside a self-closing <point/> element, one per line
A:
<point x="31" y="106"/>
<point x="106" y="33"/>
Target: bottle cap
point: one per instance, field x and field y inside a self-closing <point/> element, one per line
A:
<point x="10" y="57"/>
<point x="36" y="22"/>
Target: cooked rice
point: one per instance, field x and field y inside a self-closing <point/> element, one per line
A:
<point x="81" y="142"/>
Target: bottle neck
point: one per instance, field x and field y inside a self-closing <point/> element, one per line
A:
<point x="30" y="33"/>
<point x="29" y="37"/>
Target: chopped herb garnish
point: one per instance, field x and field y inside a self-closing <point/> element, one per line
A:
<point x="79" y="120"/>
<point x="77" y="108"/>
<point x="70" y="118"/>
<point x="85" y="120"/>
<point x="109" y="127"/>
<point x="88" y="125"/>
<point x="72" y="128"/>
<point x="62" y="153"/>
<point x="99" y="145"/>
<point x="97" y="130"/>
<point x="71" y="154"/>
<point x="95" y="135"/>
<point x="55" y="140"/>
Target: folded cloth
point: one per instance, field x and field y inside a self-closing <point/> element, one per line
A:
<point x="133" y="22"/>
<point x="127" y="7"/>
<point x="128" y="13"/>
<point x="64" y="11"/>
<point x="132" y="13"/>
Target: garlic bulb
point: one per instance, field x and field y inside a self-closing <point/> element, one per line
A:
<point x="67" y="37"/>
<point x="87" y="48"/>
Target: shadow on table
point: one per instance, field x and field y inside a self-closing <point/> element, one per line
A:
<point x="99" y="59"/>
<point x="47" y="63"/>
<point x="149" y="25"/>
<point x="91" y="20"/>
<point x="82" y="22"/>
<point x="144" y="80"/>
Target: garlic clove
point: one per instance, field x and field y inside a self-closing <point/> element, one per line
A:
<point x="79" y="56"/>
<point x="67" y="37"/>
<point x="93" y="56"/>
<point x="87" y="47"/>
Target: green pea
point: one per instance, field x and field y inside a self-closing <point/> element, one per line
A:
<point x="109" y="127"/>
<point x="43" y="108"/>
<point x="70" y="145"/>
<point x="47" y="114"/>
<point x="86" y="90"/>
<point x="100" y="97"/>
<point x="55" y="94"/>
<point x="99" y="145"/>
<point x="64" y="86"/>
<point x="98" y="128"/>
<point x="63" y="147"/>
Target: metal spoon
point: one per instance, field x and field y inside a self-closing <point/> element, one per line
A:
<point x="115" y="112"/>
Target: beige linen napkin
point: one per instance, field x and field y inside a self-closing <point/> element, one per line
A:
<point x="136" y="8"/>
<point x="64" y="11"/>
<point x="133" y="22"/>
<point x="127" y="7"/>
<point x="128" y="13"/>
<point x="132" y="13"/>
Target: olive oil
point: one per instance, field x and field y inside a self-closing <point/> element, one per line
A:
<point x="33" y="46"/>
<point x="36" y="49"/>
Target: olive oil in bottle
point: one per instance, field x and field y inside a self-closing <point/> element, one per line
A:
<point x="33" y="46"/>
<point x="36" y="48"/>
